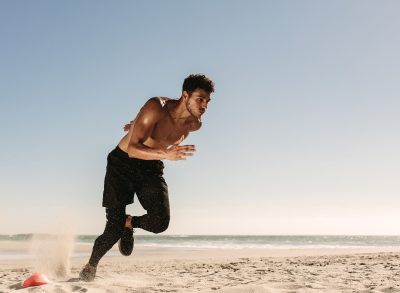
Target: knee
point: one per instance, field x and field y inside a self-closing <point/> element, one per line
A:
<point x="110" y="235"/>
<point x="162" y="225"/>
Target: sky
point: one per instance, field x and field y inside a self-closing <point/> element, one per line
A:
<point x="301" y="136"/>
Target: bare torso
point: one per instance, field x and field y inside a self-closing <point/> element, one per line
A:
<point x="167" y="130"/>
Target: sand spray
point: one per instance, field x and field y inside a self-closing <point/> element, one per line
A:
<point x="51" y="252"/>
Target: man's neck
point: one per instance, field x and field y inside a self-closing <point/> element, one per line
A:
<point x="178" y="111"/>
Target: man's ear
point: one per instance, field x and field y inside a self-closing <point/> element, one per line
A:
<point x="185" y="95"/>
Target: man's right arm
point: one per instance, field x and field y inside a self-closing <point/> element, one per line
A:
<point x="142" y="128"/>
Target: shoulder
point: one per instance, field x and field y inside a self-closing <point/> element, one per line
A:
<point x="152" y="111"/>
<point x="161" y="101"/>
<point x="155" y="104"/>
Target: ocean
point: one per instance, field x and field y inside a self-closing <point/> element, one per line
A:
<point x="245" y="241"/>
<point x="202" y="242"/>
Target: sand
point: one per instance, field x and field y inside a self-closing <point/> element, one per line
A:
<point x="217" y="270"/>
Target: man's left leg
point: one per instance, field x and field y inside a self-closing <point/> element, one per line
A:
<point x="153" y="196"/>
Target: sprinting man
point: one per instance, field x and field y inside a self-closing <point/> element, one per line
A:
<point x="135" y="166"/>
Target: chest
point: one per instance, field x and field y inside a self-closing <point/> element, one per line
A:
<point x="168" y="131"/>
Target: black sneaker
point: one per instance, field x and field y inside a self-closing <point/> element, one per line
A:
<point x="88" y="273"/>
<point x="125" y="244"/>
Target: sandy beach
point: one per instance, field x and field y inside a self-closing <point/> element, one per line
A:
<point x="215" y="270"/>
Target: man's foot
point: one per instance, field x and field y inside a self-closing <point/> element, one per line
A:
<point x="125" y="244"/>
<point x="88" y="273"/>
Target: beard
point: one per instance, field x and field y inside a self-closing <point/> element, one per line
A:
<point x="192" y="111"/>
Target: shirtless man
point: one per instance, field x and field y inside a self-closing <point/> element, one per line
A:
<point x="135" y="166"/>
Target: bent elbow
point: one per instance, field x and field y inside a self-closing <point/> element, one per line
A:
<point x="132" y="151"/>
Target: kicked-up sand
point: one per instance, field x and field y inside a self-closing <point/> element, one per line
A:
<point x="214" y="270"/>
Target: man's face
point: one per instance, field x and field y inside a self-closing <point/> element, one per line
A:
<point x="197" y="102"/>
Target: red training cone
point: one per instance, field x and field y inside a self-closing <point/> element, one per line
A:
<point x="37" y="279"/>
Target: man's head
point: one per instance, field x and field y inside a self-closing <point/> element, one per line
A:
<point x="196" y="91"/>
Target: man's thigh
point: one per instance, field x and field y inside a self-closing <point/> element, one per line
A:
<point x="119" y="183"/>
<point x="115" y="221"/>
<point x="153" y="195"/>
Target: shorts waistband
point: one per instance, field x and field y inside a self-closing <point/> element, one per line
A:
<point x="123" y="155"/>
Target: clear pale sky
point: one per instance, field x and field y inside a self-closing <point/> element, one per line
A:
<point x="301" y="137"/>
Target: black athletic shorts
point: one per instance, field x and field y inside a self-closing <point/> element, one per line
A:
<point x="126" y="176"/>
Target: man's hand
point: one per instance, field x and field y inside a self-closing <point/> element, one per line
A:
<point x="128" y="126"/>
<point x="179" y="152"/>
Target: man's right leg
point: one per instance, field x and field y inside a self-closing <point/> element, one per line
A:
<point x="112" y="233"/>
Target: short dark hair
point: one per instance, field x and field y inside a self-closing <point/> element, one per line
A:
<point x="195" y="81"/>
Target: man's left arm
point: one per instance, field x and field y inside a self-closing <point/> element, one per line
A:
<point x="128" y="126"/>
